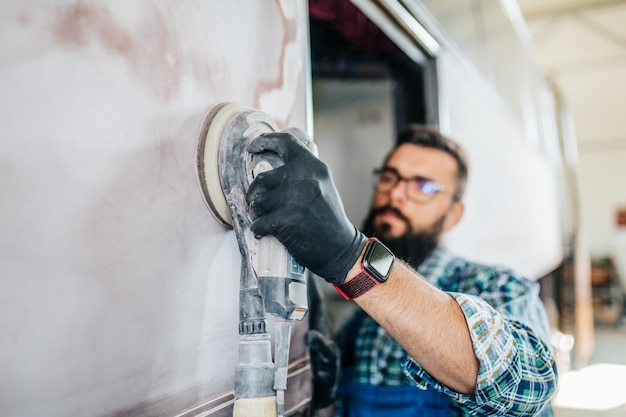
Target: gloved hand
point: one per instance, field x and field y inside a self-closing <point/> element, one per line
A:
<point x="326" y="365"/>
<point x="299" y="205"/>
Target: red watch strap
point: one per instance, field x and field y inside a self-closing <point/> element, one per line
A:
<point x="357" y="286"/>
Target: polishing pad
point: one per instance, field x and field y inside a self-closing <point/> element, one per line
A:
<point x="226" y="131"/>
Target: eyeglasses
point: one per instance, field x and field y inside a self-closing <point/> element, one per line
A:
<point x="417" y="188"/>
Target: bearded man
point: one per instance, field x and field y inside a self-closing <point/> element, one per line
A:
<point x="437" y="335"/>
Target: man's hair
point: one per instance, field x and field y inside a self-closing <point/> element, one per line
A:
<point x="430" y="137"/>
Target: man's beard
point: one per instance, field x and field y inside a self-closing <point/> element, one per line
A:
<point x="413" y="247"/>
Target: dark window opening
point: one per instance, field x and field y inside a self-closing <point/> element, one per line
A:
<point x="346" y="45"/>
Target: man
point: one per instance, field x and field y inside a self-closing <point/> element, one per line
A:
<point x="473" y="336"/>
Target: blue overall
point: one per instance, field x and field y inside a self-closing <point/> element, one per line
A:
<point x="362" y="400"/>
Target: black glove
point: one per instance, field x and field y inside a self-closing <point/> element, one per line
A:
<point x="299" y="205"/>
<point x="326" y="364"/>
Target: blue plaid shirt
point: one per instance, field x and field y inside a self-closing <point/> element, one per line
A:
<point x="509" y="331"/>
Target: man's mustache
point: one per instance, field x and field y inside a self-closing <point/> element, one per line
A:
<point x="394" y="210"/>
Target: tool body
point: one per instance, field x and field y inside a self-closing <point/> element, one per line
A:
<point x="271" y="281"/>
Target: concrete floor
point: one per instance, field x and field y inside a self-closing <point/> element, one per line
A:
<point x="599" y="388"/>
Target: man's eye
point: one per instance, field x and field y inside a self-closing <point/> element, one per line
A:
<point x="428" y="187"/>
<point x="388" y="178"/>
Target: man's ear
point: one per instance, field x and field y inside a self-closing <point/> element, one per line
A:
<point x="454" y="215"/>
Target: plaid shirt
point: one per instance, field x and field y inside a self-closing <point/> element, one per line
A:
<point x="509" y="331"/>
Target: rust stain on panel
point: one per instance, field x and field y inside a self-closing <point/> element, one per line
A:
<point x="24" y="19"/>
<point x="152" y="53"/>
<point x="77" y="23"/>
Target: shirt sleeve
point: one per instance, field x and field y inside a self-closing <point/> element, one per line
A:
<point x="517" y="372"/>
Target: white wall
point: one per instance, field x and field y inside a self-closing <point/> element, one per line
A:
<point x="119" y="290"/>
<point x="602" y="191"/>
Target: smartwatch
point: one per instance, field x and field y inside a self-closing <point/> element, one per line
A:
<point x="376" y="267"/>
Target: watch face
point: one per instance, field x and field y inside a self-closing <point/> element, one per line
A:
<point x="378" y="260"/>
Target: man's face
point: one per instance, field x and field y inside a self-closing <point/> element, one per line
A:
<point x="397" y="215"/>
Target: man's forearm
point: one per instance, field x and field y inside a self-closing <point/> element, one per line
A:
<point x="427" y="323"/>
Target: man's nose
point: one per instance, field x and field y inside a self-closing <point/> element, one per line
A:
<point x="399" y="191"/>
